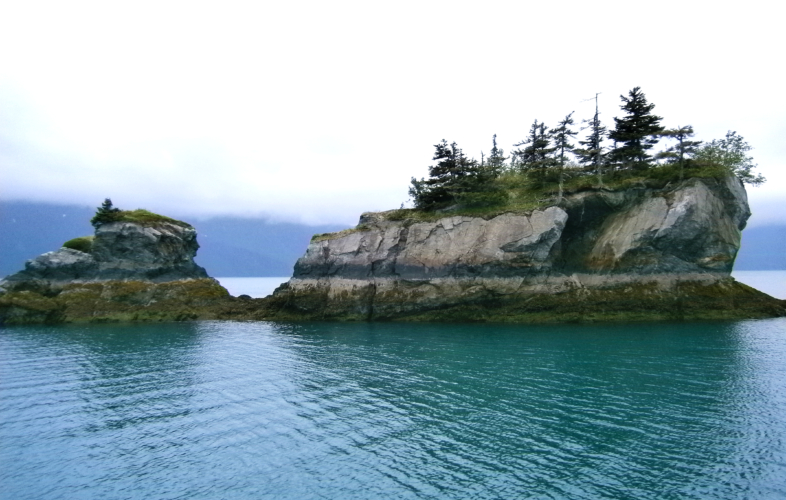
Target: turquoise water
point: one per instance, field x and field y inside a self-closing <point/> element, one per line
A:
<point x="227" y="410"/>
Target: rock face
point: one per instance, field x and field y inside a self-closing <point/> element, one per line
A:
<point x="598" y="254"/>
<point x="121" y="251"/>
<point x="450" y="247"/>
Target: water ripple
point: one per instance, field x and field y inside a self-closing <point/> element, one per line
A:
<point x="260" y="410"/>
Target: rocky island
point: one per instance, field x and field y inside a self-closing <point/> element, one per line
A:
<point x="139" y="267"/>
<point x="639" y="253"/>
<point x="554" y="232"/>
<point x="616" y="234"/>
<point x="636" y="254"/>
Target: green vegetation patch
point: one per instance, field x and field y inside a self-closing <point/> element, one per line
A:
<point x="107" y="213"/>
<point x="548" y="164"/>
<point x="81" y="244"/>
<point x="339" y="234"/>
<point x="146" y="218"/>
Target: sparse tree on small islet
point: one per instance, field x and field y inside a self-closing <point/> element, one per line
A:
<point x="105" y="214"/>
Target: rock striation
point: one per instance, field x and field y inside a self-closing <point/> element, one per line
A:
<point x="638" y="253"/>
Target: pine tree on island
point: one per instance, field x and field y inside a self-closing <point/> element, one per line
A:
<point x="681" y="152"/>
<point x="105" y="214"/>
<point x="636" y="132"/>
<point x="536" y="155"/>
<point x="591" y="155"/>
<point x="447" y="178"/>
<point x="496" y="161"/>
<point x="562" y="136"/>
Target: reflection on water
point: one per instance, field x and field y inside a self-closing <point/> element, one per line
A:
<point x="265" y="410"/>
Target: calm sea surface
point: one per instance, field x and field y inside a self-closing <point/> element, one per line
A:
<point x="229" y="410"/>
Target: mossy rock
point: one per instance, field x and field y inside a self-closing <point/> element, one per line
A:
<point x="81" y="244"/>
<point x="121" y="301"/>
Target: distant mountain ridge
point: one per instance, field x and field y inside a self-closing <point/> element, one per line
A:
<point x="243" y="247"/>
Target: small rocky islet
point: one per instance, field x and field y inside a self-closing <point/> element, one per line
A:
<point x="642" y="253"/>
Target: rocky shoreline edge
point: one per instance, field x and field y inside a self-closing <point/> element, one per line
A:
<point x="205" y="299"/>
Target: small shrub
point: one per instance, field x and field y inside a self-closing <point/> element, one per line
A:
<point x="105" y="214"/>
<point x="81" y="244"/>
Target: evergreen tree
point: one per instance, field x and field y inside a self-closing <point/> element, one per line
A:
<point x="681" y="152"/>
<point x="105" y="214"/>
<point x="591" y="155"/>
<point x="636" y="132"/>
<point x="536" y="155"/>
<point x="562" y="136"/>
<point x="496" y="161"/>
<point x="453" y="174"/>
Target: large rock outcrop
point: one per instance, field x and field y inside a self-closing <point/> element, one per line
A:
<point x="451" y="247"/>
<point x="638" y="253"/>
<point x="120" y="251"/>
<point x="134" y="272"/>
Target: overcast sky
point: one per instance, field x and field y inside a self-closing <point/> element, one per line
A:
<point x="315" y="111"/>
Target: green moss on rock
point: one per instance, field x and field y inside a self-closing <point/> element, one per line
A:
<point x="118" y="301"/>
<point x="81" y="244"/>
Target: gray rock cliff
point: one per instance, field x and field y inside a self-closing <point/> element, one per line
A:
<point x="121" y="251"/>
<point x="577" y="257"/>
<point x="138" y="272"/>
<point x="691" y="228"/>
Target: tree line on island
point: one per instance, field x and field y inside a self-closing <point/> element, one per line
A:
<point x="549" y="158"/>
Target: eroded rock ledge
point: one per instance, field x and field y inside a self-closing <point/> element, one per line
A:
<point x="641" y="253"/>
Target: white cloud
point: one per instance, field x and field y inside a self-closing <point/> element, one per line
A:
<point x="317" y="111"/>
